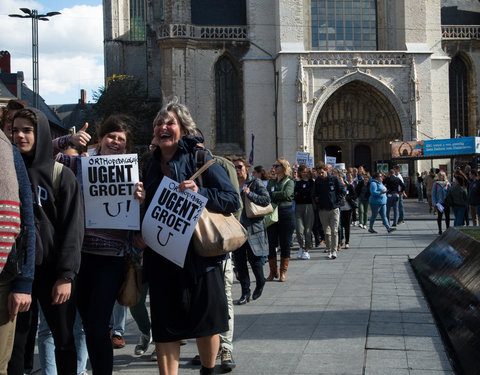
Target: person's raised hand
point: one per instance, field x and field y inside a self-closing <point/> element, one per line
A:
<point x="81" y="138"/>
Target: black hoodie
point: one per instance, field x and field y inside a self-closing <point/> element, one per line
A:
<point x="59" y="216"/>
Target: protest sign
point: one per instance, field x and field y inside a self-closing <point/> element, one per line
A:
<point x="170" y="220"/>
<point x="310" y="162"/>
<point x="330" y="160"/>
<point x="302" y="158"/>
<point x="108" y="188"/>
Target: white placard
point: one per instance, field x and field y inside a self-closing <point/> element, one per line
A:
<point x="310" y="162"/>
<point x="330" y="160"/>
<point x="302" y="158"/>
<point x="108" y="188"/>
<point x="170" y="220"/>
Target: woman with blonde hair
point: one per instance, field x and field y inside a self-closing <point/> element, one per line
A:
<point x="280" y="233"/>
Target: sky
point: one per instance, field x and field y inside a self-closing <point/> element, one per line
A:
<point x="70" y="46"/>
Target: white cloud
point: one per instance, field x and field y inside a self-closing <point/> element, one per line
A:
<point x="70" y="49"/>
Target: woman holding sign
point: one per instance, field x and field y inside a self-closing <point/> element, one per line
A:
<point x="188" y="302"/>
<point x="103" y="259"/>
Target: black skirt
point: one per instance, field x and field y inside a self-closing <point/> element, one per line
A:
<point x="183" y="306"/>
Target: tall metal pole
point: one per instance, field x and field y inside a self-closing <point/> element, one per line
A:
<point x="33" y="14"/>
<point x="35" y="70"/>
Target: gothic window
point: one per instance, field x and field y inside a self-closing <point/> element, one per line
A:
<point x="137" y="20"/>
<point x="343" y="25"/>
<point x="227" y="102"/>
<point x="458" y="98"/>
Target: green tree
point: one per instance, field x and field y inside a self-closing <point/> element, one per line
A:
<point x="127" y="95"/>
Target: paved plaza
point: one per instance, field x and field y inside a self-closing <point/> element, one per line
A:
<point x="363" y="313"/>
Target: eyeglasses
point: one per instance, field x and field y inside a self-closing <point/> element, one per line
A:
<point x="238" y="166"/>
<point x="276" y="165"/>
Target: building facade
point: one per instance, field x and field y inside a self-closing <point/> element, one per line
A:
<point x="343" y="78"/>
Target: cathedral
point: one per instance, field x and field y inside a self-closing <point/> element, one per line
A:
<point x="338" y="78"/>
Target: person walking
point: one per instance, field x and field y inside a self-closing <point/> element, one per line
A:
<point x="457" y="198"/>
<point x="329" y="194"/>
<point x="303" y="195"/>
<point x="428" y="181"/>
<point x="394" y="187"/>
<point x="188" y="302"/>
<point x="439" y="195"/>
<point x="256" y="246"/>
<point x="281" y="190"/>
<point x="378" y="201"/>
<point x="363" y="193"/>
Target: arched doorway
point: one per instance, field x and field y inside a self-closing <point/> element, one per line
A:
<point x="334" y="151"/>
<point x="357" y="114"/>
<point x="363" y="156"/>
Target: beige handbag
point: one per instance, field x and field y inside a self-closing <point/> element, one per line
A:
<point x="216" y="233"/>
<point x="254" y="210"/>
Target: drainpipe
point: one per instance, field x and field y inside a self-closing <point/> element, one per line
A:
<point x="275" y="86"/>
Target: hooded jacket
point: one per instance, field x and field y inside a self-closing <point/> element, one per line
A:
<point x="59" y="215"/>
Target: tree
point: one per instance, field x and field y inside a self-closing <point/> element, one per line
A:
<point x="127" y="95"/>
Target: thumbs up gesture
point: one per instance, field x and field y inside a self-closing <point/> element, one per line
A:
<point x="81" y="138"/>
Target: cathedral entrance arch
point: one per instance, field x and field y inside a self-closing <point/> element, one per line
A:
<point x="361" y="121"/>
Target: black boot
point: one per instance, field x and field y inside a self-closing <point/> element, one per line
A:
<point x="243" y="299"/>
<point x="207" y="371"/>
<point x="257" y="269"/>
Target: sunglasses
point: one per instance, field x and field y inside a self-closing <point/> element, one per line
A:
<point x="276" y="165"/>
<point x="238" y="166"/>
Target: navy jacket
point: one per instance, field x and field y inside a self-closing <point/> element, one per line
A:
<point x="222" y="196"/>
<point x="329" y="192"/>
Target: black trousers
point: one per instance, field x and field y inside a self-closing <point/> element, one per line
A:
<point x="240" y="258"/>
<point x="446" y="211"/>
<point x="60" y="319"/>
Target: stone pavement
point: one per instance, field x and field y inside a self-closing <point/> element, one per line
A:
<point x="363" y="313"/>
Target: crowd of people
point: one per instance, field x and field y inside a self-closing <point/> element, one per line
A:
<point x="57" y="272"/>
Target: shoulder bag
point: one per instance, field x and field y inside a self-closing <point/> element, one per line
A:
<point x="216" y="233"/>
<point x="131" y="290"/>
<point x="253" y="210"/>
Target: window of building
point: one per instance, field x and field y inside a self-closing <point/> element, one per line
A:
<point x="344" y="25"/>
<point x="137" y="20"/>
<point x="227" y="92"/>
<point x="458" y="98"/>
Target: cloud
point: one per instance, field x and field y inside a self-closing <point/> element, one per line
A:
<point x="70" y="48"/>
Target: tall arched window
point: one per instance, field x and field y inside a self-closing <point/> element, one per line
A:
<point x="227" y="102"/>
<point x="344" y="25"/>
<point x="458" y="98"/>
<point x="137" y="20"/>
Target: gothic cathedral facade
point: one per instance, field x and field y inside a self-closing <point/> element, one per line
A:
<point x="343" y="78"/>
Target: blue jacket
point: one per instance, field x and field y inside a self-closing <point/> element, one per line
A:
<point x="222" y="196"/>
<point x="439" y="191"/>
<point x="376" y="196"/>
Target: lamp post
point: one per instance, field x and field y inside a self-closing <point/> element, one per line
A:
<point x="33" y="14"/>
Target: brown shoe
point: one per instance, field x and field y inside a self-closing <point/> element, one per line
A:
<point x="118" y="342"/>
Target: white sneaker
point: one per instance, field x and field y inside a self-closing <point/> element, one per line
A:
<point x="332" y="255"/>
<point x="142" y="345"/>
<point x="300" y="253"/>
<point x="306" y="256"/>
<point x="360" y="225"/>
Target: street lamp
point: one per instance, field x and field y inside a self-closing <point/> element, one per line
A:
<point x="33" y="14"/>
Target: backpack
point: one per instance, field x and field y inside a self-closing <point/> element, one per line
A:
<point x="201" y="159"/>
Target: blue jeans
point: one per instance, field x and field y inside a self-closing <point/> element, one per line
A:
<point x="392" y="201"/>
<point x="46" y="346"/>
<point x="420" y="192"/>
<point x="118" y="319"/>
<point x="459" y="212"/>
<point x="401" y="209"/>
<point x="379" y="208"/>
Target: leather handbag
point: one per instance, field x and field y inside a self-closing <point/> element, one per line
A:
<point x="254" y="210"/>
<point x="131" y="290"/>
<point x="216" y="233"/>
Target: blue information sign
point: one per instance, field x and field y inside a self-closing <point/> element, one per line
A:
<point x="452" y="146"/>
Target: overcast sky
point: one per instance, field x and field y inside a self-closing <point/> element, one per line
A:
<point x="70" y="46"/>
